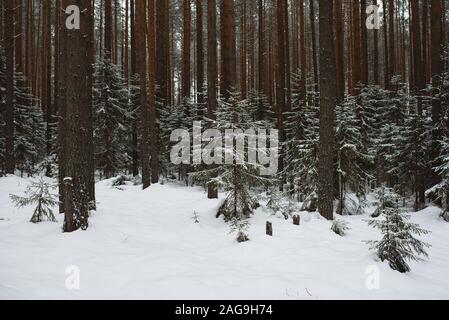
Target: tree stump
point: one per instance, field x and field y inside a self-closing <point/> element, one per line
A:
<point x="296" y="220"/>
<point x="68" y="206"/>
<point x="269" y="229"/>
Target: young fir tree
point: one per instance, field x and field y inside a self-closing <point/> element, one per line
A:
<point x="443" y="172"/>
<point x="179" y="116"/>
<point x="238" y="176"/>
<point x="112" y="118"/>
<point x="391" y="123"/>
<point x="441" y="166"/>
<point x="38" y="193"/>
<point x="352" y="157"/>
<point x="259" y="108"/>
<point x="240" y="227"/>
<point x="301" y="148"/>
<point x="371" y="104"/>
<point x="398" y="244"/>
<point x="411" y="161"/>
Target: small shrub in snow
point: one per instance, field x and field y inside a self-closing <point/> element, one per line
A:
<point x="196" y="217"/>
<point x="398" y="244"/>
<point x="278" y="203"/>
<point x="38" y="193"/>
<point x="120" y="181"/>
<point x="340" y="227"/>
<point x="240" y="228"/>
<point x="274" y="200"/>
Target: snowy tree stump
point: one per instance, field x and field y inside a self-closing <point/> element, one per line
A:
<point x="269" y="229"/>
<point x="68" y="206"/>
<point x="296" y="220"/>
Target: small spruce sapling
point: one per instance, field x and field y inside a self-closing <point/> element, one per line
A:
<point x="240" y="228"/>
<point x="196" y="217"/>
<point x="38" y="193"/>
<point x="398" y="244"/>
<point x="340" y="227"/>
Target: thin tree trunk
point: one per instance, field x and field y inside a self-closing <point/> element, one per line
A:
<point x="46" y="68"/>
<point x="212" y="74"/>
<point x="186" y="81"/>
<point x="141" y="63"/>
<point x="9" y="106"/>
<point x="154" y="129"/>
<point x="228" y="50"/>
<point x="339" y="50"/>
<point x="364" y="44"/>
<point x="328" y="99"/>
<point x="303" y="51"/>
<point x="108" y="30"/>
<point x="376" y="74"/>
<point x="199" y="52"/>
<point x="243" y="52"/>
<point x="314" y="44"/>
<point x="162" y="50"/>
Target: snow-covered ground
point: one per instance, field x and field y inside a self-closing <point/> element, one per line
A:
<point x="145" y="245"/>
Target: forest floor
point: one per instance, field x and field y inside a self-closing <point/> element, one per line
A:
<point x="146" y="245"/>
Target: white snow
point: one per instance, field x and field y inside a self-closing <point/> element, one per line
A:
<point x="146" y="245"/>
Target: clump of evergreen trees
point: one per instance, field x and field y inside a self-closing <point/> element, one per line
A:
<point x="115" y="106"/>
<point x="29" y="125"/>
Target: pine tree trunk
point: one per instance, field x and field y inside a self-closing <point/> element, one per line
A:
<point x="243" y="52"/>
<point x="228" y="50"/>
<point x="363" y="45"/>
<point x="212" y="73"/>
<point x="386" y="51"/>
<point x="376" y="74"/>
<point x="328" y="100"/>
<point x="162" y="50"/>
<point x="154" y="129"/>
<point x="303" y="51"/>
<point x="199" y="52"/>
<point x="18" y="35"/>
<point x="425" y="37"/>
<point x="46" y="68"/>
<point x="135" y="153"/>
<point x="186" y="82"/>
<point x="262" y="53"/>
<point x="356" y="51"/>
<point x="141" y="57"/>
<point x="288" y="89"/>
<point x="281" y="73"/>
<point x="9" y="106"/>
<point x="77" y="46"/>
<point x="339" y="50"/>
<point x="126" y="44"/>
<point x="314" y="44"/>
<point x="391" y="42"/>
<point x="108" y="29"/>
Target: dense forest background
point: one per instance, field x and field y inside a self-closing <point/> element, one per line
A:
<point x="359" y="91"/>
